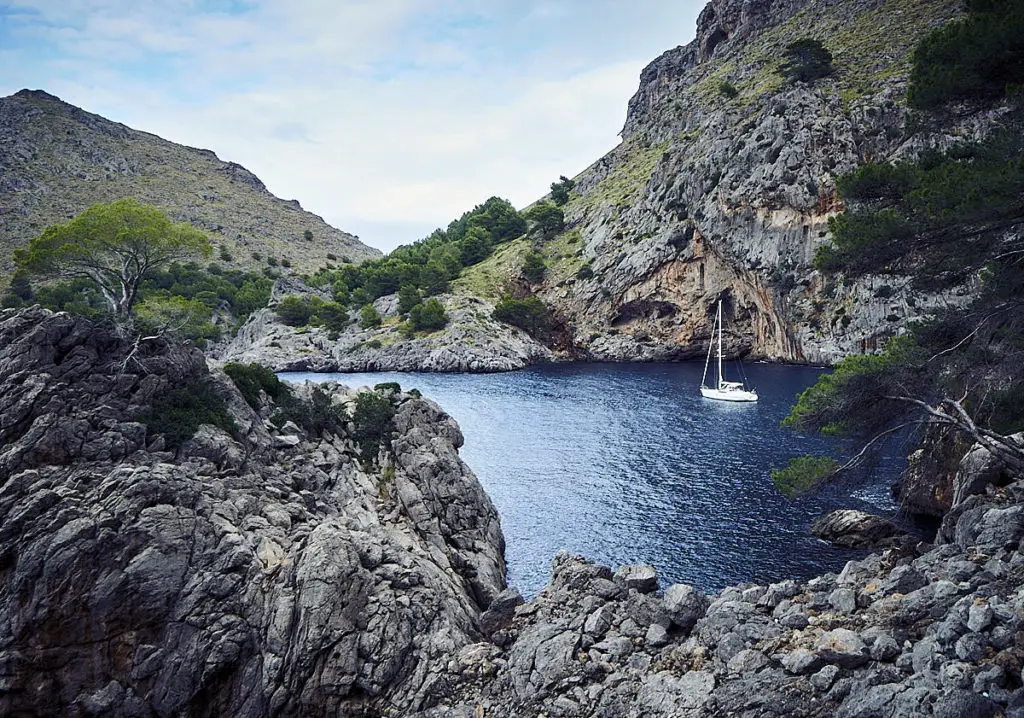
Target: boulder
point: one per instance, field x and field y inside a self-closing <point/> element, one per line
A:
<point x="640" y="577"/>
<point x="850" y="528"/>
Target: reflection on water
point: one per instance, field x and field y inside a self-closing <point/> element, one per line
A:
<point x="627" y="463"/>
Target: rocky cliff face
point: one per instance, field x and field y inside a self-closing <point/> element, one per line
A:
<point x="724" y="183"/>
<point x="276" y="572"/>
<point x="56" y="160"/>
<point x="471" y="342"/>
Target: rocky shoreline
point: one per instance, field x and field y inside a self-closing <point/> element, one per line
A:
<point x="277" y="570"/>
<point x="472" y="342"/>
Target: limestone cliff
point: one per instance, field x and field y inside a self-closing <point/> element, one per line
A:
<point x="278" y="571"/>
<point x="57" y="159"/>
<point x="724" y="182"/>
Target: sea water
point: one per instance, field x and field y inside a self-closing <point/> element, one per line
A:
<point x="627" y="463"/>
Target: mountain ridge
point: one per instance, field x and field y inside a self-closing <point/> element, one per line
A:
<point x="57" y="159"/>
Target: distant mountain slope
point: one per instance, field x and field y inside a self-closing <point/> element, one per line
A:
<point x="56" y="160"/>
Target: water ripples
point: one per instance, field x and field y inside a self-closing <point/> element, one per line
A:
<point x="628" y="463"/>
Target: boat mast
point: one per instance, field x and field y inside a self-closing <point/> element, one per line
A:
<point x="719" y="343"/>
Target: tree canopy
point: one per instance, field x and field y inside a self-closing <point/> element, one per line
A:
<point x="116" y="246"/>
<point x="806" y="60"/>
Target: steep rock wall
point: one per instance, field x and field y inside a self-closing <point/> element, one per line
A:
<point x="276" y="573"/>
<point x="749" y="180"/>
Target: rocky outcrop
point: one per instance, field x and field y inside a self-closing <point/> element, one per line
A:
<point x="851" y="528"/>
<point x="912" y="632"/>
<point x="56" y="160"/>
<point x="724" y="184"/>
<point x="266" y="571"/>
<point x="471" y="342"/>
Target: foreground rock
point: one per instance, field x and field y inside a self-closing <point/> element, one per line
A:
<point x="851" y="528"/>
<point x="932" y="631"/>
<point x="472" y="342"/>
<point x="277" y="573"/>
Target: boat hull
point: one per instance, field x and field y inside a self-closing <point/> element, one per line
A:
<point x="728" y="394"/>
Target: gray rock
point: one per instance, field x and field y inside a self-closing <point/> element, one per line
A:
<point x="964" y="704"/>
<point x="639" y="577"/>
<point x="801" y="661"/>
<point x="473" y="341"/>
<point x="979" y="617"/>
<point x="664" y="694"/>
<point x="599" y="621"/>
<point x="729" y="645"/>
<point x="843" y="600"/>
<point x="848" y="527"/>
<point x="842" y="647"/>
<point x="684" y="605"/>
<point x="971" y="647"/>
<point x="824" y="678"/>
<point x="747" y="662"/>
<point x="656" y="636"/>
<point x="501" y="610"/>
<point x="884" y="648"/>
<point x="618" y="646"/>
<point x="794" y="620"/>
<point x="225" y="579"/>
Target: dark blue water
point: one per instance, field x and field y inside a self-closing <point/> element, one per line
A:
<point x="627" y="463"/>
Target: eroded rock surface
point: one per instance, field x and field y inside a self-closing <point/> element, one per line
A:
<point x="911" y="632"/>
<point x="272" y="573"/>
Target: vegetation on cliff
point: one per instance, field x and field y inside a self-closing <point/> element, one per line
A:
<point x="946" y="220"/>
<point x="117" y="247"/>
<point x="126" y="260"/>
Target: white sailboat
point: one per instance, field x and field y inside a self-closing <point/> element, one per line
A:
<point x="722" y="390"/>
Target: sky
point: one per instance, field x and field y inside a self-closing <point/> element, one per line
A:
<point x="386" y="117"/>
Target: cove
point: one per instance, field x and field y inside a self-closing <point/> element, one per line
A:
<point x="627" y="463"/>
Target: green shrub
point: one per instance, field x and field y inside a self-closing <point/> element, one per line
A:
<point x="294" y="311"/>
<point x="331" y="316"/>
<point x="585" y="272"/>
<point x="977" y="58"/>
<point x="560" y="190"/>
<point x="803" y="473"/>
<point x="806" y="60"/>
<point x="428" y="317"/>
<point x="727" y="89"/>
<point x="286" y="263"/>
<point x="372" y="418"/>
<point x="179" y="412"/>
<point x="251" y="379"/>
<point x="252" y="295"/>
<point x="176" y="316"/>
<point x="388" y="386"/>
<point x="530" y="314"/>
<point x="408" y="297"/>
<point x="878" y="181"/>
<point x="533" y="267"/>
<point x="369" y="317"/>
<point x="546" y="219"/>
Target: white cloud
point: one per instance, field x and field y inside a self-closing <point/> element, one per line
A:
<point x="392" y="115"/>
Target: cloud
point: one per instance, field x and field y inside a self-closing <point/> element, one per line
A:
<point x="391" y="115"/>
